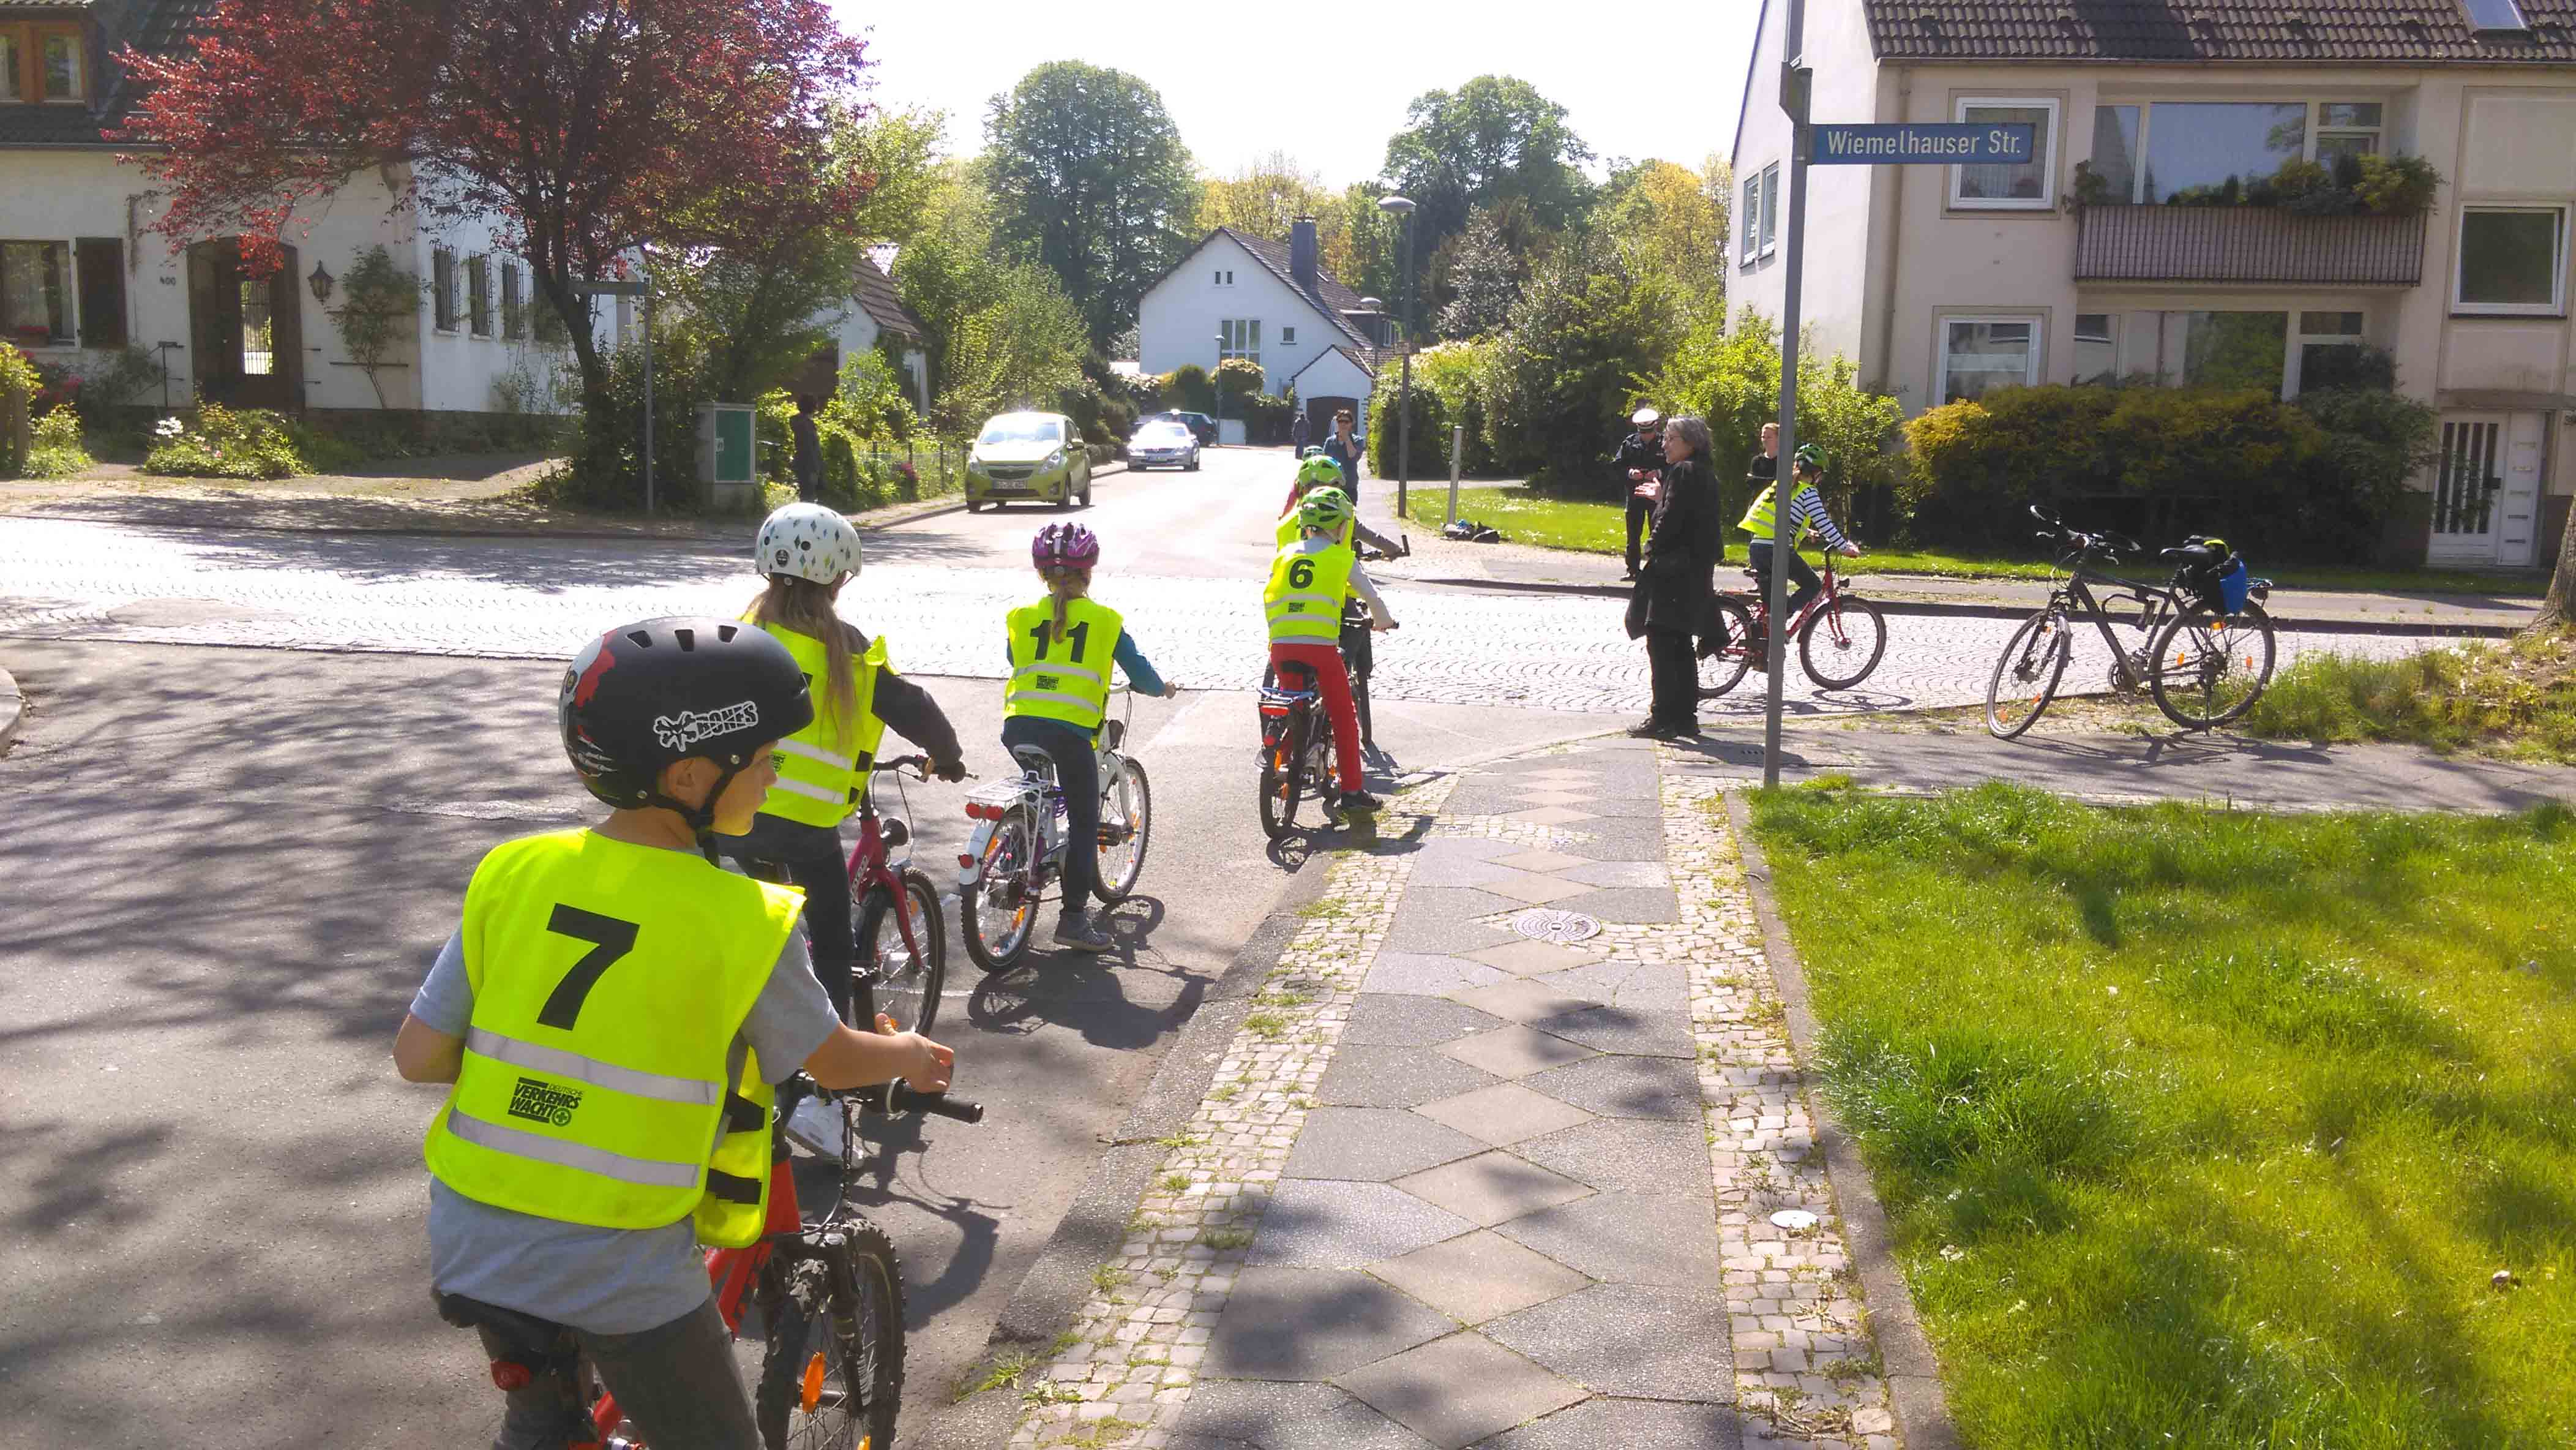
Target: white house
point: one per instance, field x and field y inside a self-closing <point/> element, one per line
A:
<point x="1944" y="282"/>
<point x="1237" y="295"/>
<point x="81" y="277"/>
<point x="865" y="320"/>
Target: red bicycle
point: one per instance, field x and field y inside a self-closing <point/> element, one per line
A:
<point x="1841" y="636"/>
<point x="906" y="968"/>
<point x="831" y="1302"/>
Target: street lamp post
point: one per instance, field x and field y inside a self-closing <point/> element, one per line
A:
<point x="1398" y="206"/>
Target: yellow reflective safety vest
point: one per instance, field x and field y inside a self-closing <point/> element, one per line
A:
<point x="1305" y="594"/>
<point x="610" y="981"/>
<point x="1290" y="530"/>
<point x="1062" y="679"/>
<point x="821" y="768"/>
<point x="1757" y="520"/>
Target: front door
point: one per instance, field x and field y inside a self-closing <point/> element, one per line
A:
<point x="245" y="333"/>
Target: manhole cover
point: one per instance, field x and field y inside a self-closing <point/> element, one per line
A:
<point x="1795" y="1220"/>
<point x="1541" y="923"/>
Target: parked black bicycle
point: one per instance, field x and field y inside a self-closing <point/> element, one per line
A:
<point x="2207" y="648"/>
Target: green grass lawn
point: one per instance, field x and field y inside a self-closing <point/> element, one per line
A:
<point x="1601" y="528"/>
<point x="2204" y="1129"/>
<point x="2516" y="697"/>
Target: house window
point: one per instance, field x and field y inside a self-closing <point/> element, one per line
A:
<point x="35" y="296"/>
<point x="1982" y="354"/>
<point x="1225" y="277"/>
<point x="514" y="304"/>
<point x="258" y="329"/>
<point x="2234" y="350"/>
<point x="2215" y="153"/>
<point x="102" y="291"/>
<point x="41" y="63"/>
<point x="2024" y="186"/>
<point x="2346" y="128"/>
<point x="2332" y="352"/>
<point x="1242" y="340"/>
<point x="58" y="65"/>
<point x="1748" y="246"/>
<point x="442" y="289"/>
<point x="1287" y="337"/>
<point x="1771" y="208"/>
<point x="2097" y="347"/>
<point x="2486" y="15"/>
<point x="2512" y="259"/>
<point x="478" y="295"/>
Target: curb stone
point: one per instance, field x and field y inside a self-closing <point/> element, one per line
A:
<point x="1911" y="1372"/>
<point x="13" y="708"/>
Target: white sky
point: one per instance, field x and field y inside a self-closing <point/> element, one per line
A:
<point x="1636" y="80"/>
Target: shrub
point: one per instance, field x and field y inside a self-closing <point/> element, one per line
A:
<point x="2373" y="442"/>
<point x="17" y="390"/>
<point x="871" y="397"/>
<point x="2397" y="185"/>
<point x="1186" y="389"/>
<point x="1588" y="328"/>
<point x="1730" y="376"/>
<point x="326" y="452"/>
<point x="1265" y="417"/>
<point x="840" y="465"/>
<point x="55" y="446"/>
<point x="1430" y="429"/>
<point x="225" y="443"/>
<point x="607" y="467"/>
<point x="1240" y="378"/>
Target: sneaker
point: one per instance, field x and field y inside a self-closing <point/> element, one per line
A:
<point x="1075" y="932"/>
<point x="1645" y="730"/>
<point x="1359" y="803"/>
<point x="817" y="1127"/>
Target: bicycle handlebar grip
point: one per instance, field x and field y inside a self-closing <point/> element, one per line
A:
<point x="902" y="1098"/>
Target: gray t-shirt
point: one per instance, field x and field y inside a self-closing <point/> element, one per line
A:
<point x="607" y="1280"/>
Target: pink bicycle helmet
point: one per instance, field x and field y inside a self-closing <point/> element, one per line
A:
<point x="1064" y="546"/>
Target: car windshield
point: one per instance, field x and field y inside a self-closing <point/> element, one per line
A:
<point x="1163" y="433"/>
<point x="1022" y="428"/>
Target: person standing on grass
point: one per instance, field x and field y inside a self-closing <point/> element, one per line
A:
<point x="1672" y="600"/>
<point x="808" y="459"/>
<point x="1640" y="456"/>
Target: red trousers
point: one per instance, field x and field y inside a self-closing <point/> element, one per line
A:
<point x="1324" y="662"/>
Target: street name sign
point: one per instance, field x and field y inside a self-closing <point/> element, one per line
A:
<point x="1939" y="143"/>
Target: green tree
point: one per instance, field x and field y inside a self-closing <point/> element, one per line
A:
<point x="1493" y="138"/>
<point x="1674" y="219"/>
<point x="996" y="332"/>
<point x="1089" y="176"/>
<point x="379" y="308"/>
<point x="1485" y="268"/>
<point x="1588" y="331"/>
<point x="1266" y="198"/>
<point x="1730" y="376"/>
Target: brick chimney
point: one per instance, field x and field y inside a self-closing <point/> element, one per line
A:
<point x="1301" y="254"/>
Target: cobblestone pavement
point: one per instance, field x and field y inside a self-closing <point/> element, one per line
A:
<point x="539" y="599"/>
<point x="1457" y="1185"/>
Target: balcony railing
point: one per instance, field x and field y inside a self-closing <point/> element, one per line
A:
<point x="2246" y="244"/>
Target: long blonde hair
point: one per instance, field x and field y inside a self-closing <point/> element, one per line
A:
<point x="1064" y="583"/>
<point x="806" y="607"/>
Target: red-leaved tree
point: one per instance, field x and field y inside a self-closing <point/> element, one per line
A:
<point x="583" y="127"/>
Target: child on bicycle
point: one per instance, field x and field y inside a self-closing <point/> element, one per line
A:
<point x="1318" y="470"/>
<point x="1806" y="513"/>
<point x="610" y="1014"/>
<point x="1061" y="648"/>
<point x="1309" y="580"/>
<point x="809" y="554"/>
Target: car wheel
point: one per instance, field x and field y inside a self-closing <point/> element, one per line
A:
<point x="974" y="506"/>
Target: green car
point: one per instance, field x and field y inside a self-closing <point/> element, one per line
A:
<point x="1033" y="456"/>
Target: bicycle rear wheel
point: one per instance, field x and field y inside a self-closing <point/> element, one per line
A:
<point x="1282" y="780"/>
<point x="1126" y="812"/>
<point x="2210" y="667"/>
<point x="2026" y="674"/>
<point x="1722" y="671"/>
<point x="1849" y="635"/>
<point x="831" y="1371"/>
<point x="907" y="979"/>
<point x="998" y="914"/>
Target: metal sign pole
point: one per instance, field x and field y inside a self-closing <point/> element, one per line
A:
<point x="1457" y="454"/>
<point x="648" y="400"/>
<point x="1793" y="99"/>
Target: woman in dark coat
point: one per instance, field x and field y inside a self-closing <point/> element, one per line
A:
<point x="1673" y="594"/>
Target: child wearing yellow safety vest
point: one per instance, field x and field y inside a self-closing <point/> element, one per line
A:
<point x="1061" y="649"/>
<point x="1318" y="470"/>
<point x="610" y="1015"/>
<point x="808" y="554"/>
<point x="1310" y="579"/>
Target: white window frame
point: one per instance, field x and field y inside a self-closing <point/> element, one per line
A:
<point x="1771" y="208"/>
<point x="2301" y="339"/>
<point x="2045" y="143"/>
<point x="1748" y="245"/>
<point x="1242" y="340"/>
<point x="1225" y="276"/>
<point x="2556" y="306"/>
<point x="2114" y="321"/>
<point x="66" y="271"/>
<point x="80" y="65"/>
<point x="1287" y="337"/>
<point x="2031" y="373"/>
<point x="2317" y="130"/>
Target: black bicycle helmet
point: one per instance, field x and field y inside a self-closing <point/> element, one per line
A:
<point x="649" y="694"/>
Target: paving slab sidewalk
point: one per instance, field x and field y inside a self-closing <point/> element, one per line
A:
<point x="1470" y="1176"/>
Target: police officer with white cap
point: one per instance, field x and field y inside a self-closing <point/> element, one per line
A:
<point x="1641" y="456"/>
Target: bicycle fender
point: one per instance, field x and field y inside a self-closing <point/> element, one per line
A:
<point x="973" y="872"/>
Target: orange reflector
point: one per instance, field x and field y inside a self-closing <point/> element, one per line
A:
<point x="813" y="1389"/>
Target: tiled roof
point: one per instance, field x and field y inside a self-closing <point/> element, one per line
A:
<point x="2267" y="31"/>
<point x="1329" y="296"/>
<point x="155" y="27"/>
<point x="875" y="293"/>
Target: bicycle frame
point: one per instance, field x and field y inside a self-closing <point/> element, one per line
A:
<point x="1043" y="796"/>
<point x="872" y="863"/>
<point x="2077" y="593"/>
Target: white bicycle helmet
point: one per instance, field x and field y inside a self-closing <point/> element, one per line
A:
<point x="808" y="541"/>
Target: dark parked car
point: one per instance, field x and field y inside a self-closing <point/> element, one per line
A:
<point x="1200" y="425"/>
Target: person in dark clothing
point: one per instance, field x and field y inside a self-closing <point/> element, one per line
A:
<point x="1344" y="448"/>
<point x="1640" y="456"/>
<point x="1298" y="431"/>
<point x="1672" y="599"/>
<point x="808" y="457"/>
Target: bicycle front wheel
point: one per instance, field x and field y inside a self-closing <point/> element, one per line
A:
<point x="908" y="976"/>
<point x="1843" y="641"/>
<point x="831" y="1372"/>
<point x="1724" y="670"/>
<point x="997" y="914"/>
<point x="2026" y="675"/>
<point x="2211" y="667"/>
<point x="1126" y="827"/>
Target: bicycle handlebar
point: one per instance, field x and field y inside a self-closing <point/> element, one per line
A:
<point x="919" y="765"/>
<point x="903" y="1099"/>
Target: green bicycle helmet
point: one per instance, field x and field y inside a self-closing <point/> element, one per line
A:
<point x="1326" y="509"/>
<point x="1810" y="456"/>
<point x="1314" y="450"/>
<point x="1318" y="468"/>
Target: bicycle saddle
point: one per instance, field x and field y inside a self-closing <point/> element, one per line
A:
<point x="523" y="1331"/>
<point x="1034" y="760"/>
<point x="2193" y="554"/>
